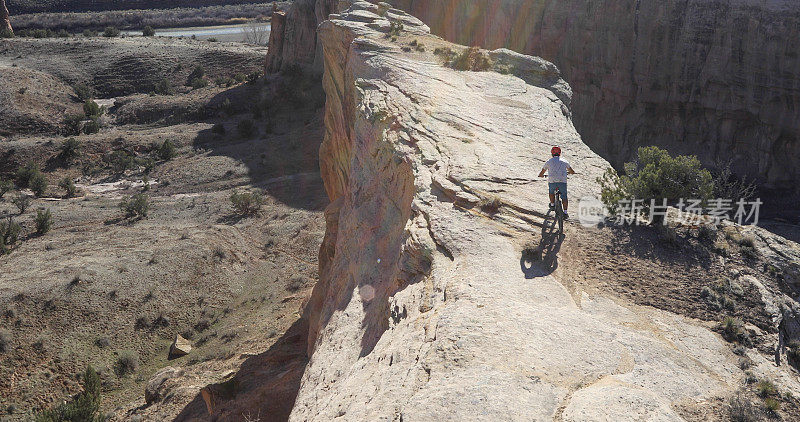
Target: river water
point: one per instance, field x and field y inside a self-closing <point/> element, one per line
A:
<point x="231" y="33"/>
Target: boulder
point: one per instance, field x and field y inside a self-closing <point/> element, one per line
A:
<point x="180" y="347"/>
<point x="157" y="386"/>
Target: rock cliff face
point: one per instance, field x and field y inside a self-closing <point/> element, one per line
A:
<point x="293" y="37"/>
<point x="720" y="79"/>
<point x="5" y="23"/>
<point x="424" y="310"/>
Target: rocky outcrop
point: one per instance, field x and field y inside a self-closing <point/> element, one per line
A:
<point x="719" y="79"/>
<point x="5" y="23"/>
<point x="293" y="37"/>
<point x="424" y="309"/>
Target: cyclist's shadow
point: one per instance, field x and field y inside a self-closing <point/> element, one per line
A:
<point x="543" y="259"/>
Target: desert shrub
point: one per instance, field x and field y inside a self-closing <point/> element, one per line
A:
<point x="218" y="128"/>
<point x="163" y="87"/>
<point x="148" y="31"/>
<point x="25" y="173"/>
<point x="668" y="235"/>
<point x="749" y="252"/>
<point x="5" y="341"/>
<point x="6" y="33"/>
<point x="91" y="109"/>
<point x="747" y="241"/>
<point x="223" y="81"/>
<point x="5" y="187"/>
<point x="92" y="126"/>
<point x="729" y="186"/>
<point x="127" y="363"/>
<point x="741" y="409"/>
<point x="212" y="39"/>
<point x="111" y="32"/>
<point x="102" y="342"/>
<point x="772" y="406"/>
<point x="656" y="176"/>
<point x="793" y="352"/>
<point x="121" y="161"/>
<point x="253" y="77"/>
<point x="88" y="33"/>
<point x="296" y="283"/>
<point x="166" y="151"/>
<point x="70" y="149"/>
<point x="38" y="183"/>
<point x="239" y="77"/>
<point x="136" y="206"/>
<point x="83" y="92"/>
<point x="246" y="128"/>
<point x="198" y="83"/>
<point x="9" y="235"/>
<point x="43" y="220"/>
<point x="491" y="204"/>
<point x="73" y="123"/>
<point x="733" y="331"/>
<point x="22" y="202"/>
<point x="246" y="203"/>
<point x="395" y="28"/>
<point x="84" y="406"/>
<point x="472" y="59"/>
<point x="197" y="73"/>
<point x="766" y="388"/>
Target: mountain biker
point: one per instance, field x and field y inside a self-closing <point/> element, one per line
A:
<point x="557" y="178"/>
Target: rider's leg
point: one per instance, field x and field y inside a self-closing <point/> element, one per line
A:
<point x="552" y="198"/>
<point x="566" y="204"/>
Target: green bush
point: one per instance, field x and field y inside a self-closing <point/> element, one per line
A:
<point x="246" y="128"/>
<point x="5" y="187"/>
<point x="9" y="235"/>
<point x="70" y="149"/>
<point x="246" y="203"/>
<point x="22" y="202"/>
<point x="472" y="59"/>
<point x="91" y="109"/>
<point x="163" y="87"/>
<point x="44" y="221"/>
<point x="167" y="150"/>
<point x="83" y="407"/>
<point x="656" y="176"/>
<point x="239" y="77"/>
<point x="198" y="83"/>
<point x="766" y="388"/>
<point x="38" y="184"/>
<point x="73" y="123"/>
<point x="83" y="92"/>
<point x="197" y="73"/>
<point x="25" y="174"/>
<point x="6" y="33"/>
<point x="92" y="126"/>
<point x="137" y="206"/>
<point x="121" y="161"/>
<point x="88" y="33"/>
<point x="111" y="32"/>
<point x="69" y="187"/>
<point x="148" y="31"/>
<point x="127" y="363"/>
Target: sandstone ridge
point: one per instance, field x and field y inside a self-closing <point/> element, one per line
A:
<point x="424" y="309"/>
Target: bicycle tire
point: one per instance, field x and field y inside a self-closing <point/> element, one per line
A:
<point x="559" y="213"/>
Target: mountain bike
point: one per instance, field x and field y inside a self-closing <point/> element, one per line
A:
<point x="559" y="211"/>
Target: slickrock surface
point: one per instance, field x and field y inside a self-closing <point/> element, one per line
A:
<point x="719" y="79"/>
<point x="424" y="309"/>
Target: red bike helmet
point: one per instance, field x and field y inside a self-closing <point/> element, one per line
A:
<point x="555" y="151"/>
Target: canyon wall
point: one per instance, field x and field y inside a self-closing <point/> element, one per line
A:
<point x="424" y="309"/>
<point x="5" y="23"/>
<point x="715" y="78"/>
<point x="293" y="36"/>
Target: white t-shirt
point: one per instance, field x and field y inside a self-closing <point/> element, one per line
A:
<point x="556" y="170"/>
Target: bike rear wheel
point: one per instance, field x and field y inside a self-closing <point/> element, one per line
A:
<point x="559" y="213"/>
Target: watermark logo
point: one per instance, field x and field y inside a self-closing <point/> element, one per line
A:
<point x="632" y="211"/>
<point x="591" y="211"/>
